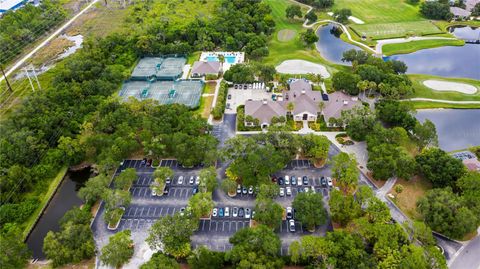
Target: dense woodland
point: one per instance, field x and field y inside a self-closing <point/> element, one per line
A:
<point x="22" y="27"/>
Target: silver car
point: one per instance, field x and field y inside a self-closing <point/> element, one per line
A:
<point x="180" y="180"/>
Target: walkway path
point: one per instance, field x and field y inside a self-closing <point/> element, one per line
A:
<point x="214" y="102"/>
<point x="57" y="32"/>
<point x="442" y="101"/>
<point x="380" y="43"/>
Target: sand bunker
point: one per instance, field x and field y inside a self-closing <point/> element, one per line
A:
<point x="439" y="85"/>
<point x="356" y="20"/>
<point x="286" y="35"/>
<point x="302" y="67"/>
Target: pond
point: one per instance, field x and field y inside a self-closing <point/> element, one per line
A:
<point x="330" y="46"/>
<point x="456" y="128"/>
<point x="465" y="32"/>
<point x="64" y="199"/>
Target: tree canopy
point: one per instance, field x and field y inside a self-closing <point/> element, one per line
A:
<point x="118" y="250"/>
<point x="439" y="167"/>
<point x="309" y="209"/>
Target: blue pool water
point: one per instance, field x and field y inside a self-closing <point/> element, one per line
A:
<point x="228" y="59"/>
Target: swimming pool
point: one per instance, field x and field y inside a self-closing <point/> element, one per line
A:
<point x="228" y="59"/>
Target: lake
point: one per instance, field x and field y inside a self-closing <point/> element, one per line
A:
<point x="64" y="199"/>
<point x="456" y="128"/>
<point x="330" y="46"/>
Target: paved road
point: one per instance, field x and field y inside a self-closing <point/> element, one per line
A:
<point x="468" y="257"/>
<point x="20" y="62"/>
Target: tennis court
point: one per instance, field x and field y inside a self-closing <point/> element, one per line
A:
<point x="159" y="68"/>
<point x="187" y="92"/>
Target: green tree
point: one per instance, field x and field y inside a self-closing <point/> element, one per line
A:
<point x="311" y="16"/>
<point x="125" y="179"/>
<point x="160" y="261"/>
<point x="309" y="37"/>
<point x="257" y="247"/>
<point x="343" y="207"/>
<point x="93" y="189"/>
<point x="240" y="73"/>
<point x="14" y="252"/>
<point x="342" y="15"/>
<point x="476" y="10"/>
<point x="266" y="72"/>
<point x="469" y="186"/>
<point x="268" y="212"/>
<point x="310" y="248"/>
<point x="172" y="234"/>
<point x="229" y="186"/>
<point x="439" y="167"/>
<point x="360" y="122"/>
<point x="436" y="10"/>
<point x="201" y="204"/>
<point x="345" y="170"/>
<point x="292" y="11"/>
<point x="208" y="179"/>
<point x="118" y="250"/>
<point x="71" y="148"/>
<point x="203" y="258"/>
<point x="309" y="209"/>
<point x="396" y="113"/>
<point x="268" y="191"/>
<point x="445" y="213"/>
<point x="345" y="81"/>
<point x="398" y="188"/>
<point x="425" y="134"/>
<point x="316" y="147"/>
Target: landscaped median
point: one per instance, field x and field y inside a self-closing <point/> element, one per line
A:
<point x="219" y="108"/>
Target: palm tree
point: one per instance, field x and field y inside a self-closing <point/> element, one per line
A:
<point x="221" y="58"/>
<point x="363" y="85"/>
<point x="290" y="107"/>
<point x="372" y="86"/>
<point x="321" y="106"/>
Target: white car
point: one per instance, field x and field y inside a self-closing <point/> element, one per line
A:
<point x="329" y="182"/>
<point x="197" y="180"/>
<point x="215" y="212"/>
<point x="154" y="193"/>
<point x="313" y="189"/>
<point x="289" y="213"/>
<point x="168" y="181"/>
<point x="299" y="181"/>
<point x="250" y="190"/>
<point x="282" y="192"/>
<point x="192" y="179"/>
<point x="291" y="225"/>
<point x="306" y="189"/>
<point x="247" y="213"/>
<point x="227" y="212"/>
<point x="287" y="180"/>
<point x="182" y="211"/>
<point x="180" y="180"/>
<point x="235" y="212"/>
<point x="289" y="191"/>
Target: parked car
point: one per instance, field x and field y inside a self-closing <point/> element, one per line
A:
<point x="149" y="162"/>
<point x="299" y="181"/>
<point x="305" y="180"/>
<point x="293" y="180"/>
<point x="313" y="188"/>
<point x="229" y="96"/>
<point x="274" y="179"/>
<point x="291" y="225"/>
<point x="166" y="190"/>
<point x="253" y="214"/>
<point x="182" y="211"/>
<point x="244" y="190"/>
<point x="154" y="193"/>
<point x="195" y="190"/>
<point x="191" y="180"/>
<point x="323" y="181"/>
<point x="197" y="180"/>
<point x="227" y="211"/>
<point x="306" y="189"/>
<point x="228" y="106"/>
<point x="287" y="180"/>
<point x="143" y="162"/>
<point x="247" y="213"/>
<point x="329" y="182"/>
<point x="168" y="181"/>
<point x="250" y="190"/>
<point x="300" y="190"/>
<point x="280" y="181"/>
<point x="245" y="87"/>
<point x="220" y="212"/>
<point x="235" y="212"/>
<point x="289" y="191"/>
<point x="282" y="192"/>
<point x="239" y="189"/>
<point x="289" y="213"/>
<point x="180" y="180"/>
<point x="214" y="212"/>
<point x="241" y="212"/>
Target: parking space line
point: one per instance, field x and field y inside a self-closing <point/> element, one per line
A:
<point x="160" y="213"/>
<point x="173" y="213"/>
<point x="148" y="212"/>
<point x="210" y="226"/>
<point x="203" y="225"/>
<point x="154" y="211"/>
<point x="135" y="214"/>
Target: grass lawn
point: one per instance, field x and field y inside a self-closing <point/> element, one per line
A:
<point x="425" y="92"/>
<point x="412" y="46"/>
<point x="387" y="18"/>
<point x="209" y="88"/>
<point x="43" y="200"/>
<point x="413" y="190"/>
<point x="430" y="105"/>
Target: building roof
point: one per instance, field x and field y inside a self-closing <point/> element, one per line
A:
<point x="472" y="164"/>
<point x="470" y="4"/>
<point x="338" y="102"/>
<point x="460" y="12"/>
<point x="264" y="110"/>
<point x="6" y="5"/>
<point x="200" y="67"/>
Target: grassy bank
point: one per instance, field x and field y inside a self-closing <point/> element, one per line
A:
<point x="412" y="46"/>
<point x="44" y="200"/>
<point x="431" y="105"/>
<point x="422" y="91"/>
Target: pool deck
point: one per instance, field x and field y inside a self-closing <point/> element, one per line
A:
<point x="239" y="57"/>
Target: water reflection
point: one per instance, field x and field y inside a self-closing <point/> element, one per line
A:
<point x="330" y="46"/>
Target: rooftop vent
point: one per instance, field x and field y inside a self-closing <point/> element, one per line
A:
<point x="345" y="102"/>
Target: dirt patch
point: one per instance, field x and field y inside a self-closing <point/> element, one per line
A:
<point x="51" y="51"/>
<point x="286" y="35"/>
<point x="413" y="190"/>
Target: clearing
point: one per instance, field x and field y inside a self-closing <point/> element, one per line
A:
<point x="439" y="85"/>
<point x="413" y="190"/>
<point x="302" y="67"/>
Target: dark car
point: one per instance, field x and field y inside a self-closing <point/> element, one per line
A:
<point x="195" y="190"/>
<point x="305" y="180"/>
<point x="274" y="179"/>
<point x="280" y="181"/>
<point x="293" y="180"/>
<point x="229" y="97"/>
<point x="240" y="212"/>
<point x="149" y="162"/>
<point x="300" y="189"/>
<point x="325" y="97"/>
<point x="144" y="161"/>
<point x="220" y="212"/>
<point x="324" y="182"/>
<point x="166" y="190"/>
